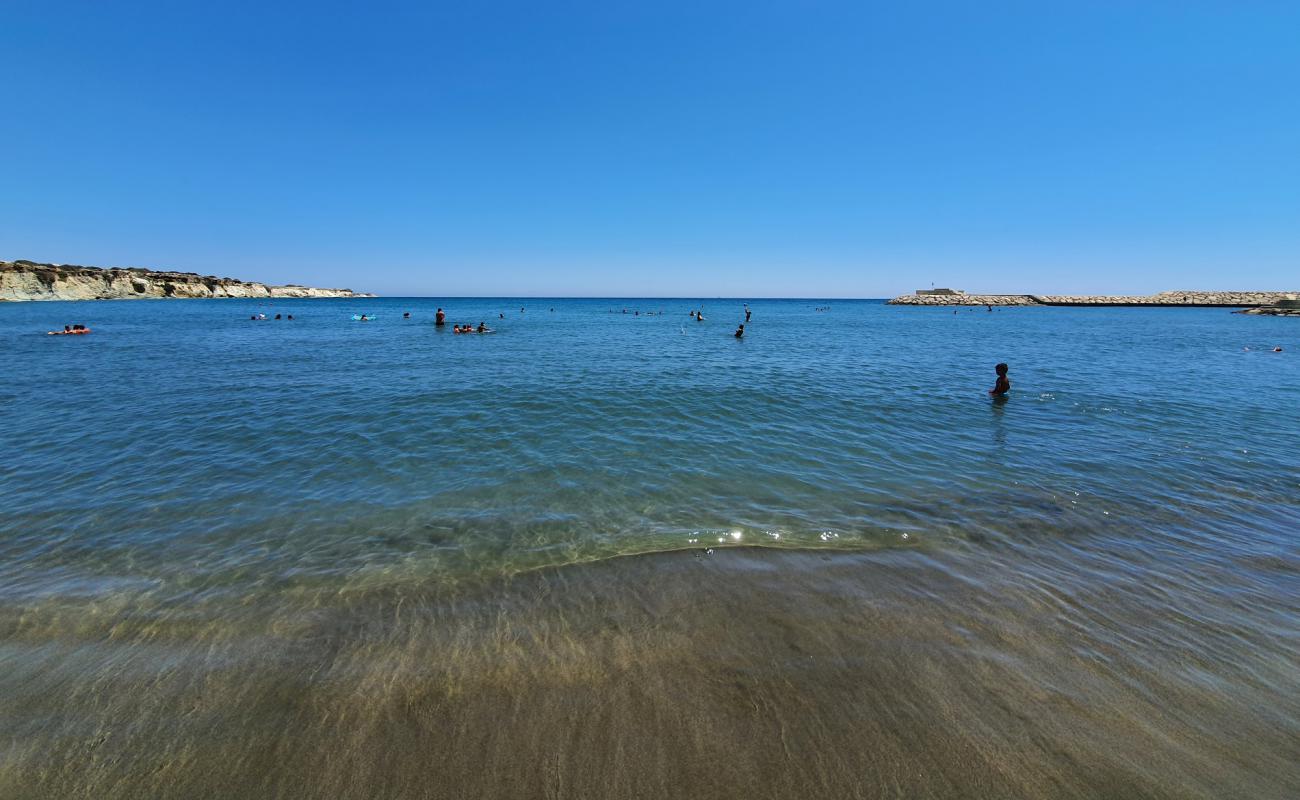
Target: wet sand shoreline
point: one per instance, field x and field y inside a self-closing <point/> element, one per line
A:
<point x="749" y="673"/>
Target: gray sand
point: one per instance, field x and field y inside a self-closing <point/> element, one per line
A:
<point x="747" y="674"/>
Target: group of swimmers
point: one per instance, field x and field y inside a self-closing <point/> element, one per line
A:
<point x="70" y="330"/>
<point x="440" y="319"/>
<point x="278" y="316"/>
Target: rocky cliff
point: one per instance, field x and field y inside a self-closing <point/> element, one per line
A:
<point x="27" y="280"/>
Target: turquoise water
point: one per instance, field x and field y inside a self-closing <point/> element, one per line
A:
<point x="183" y="442"/>
<point x="184" y="468"/>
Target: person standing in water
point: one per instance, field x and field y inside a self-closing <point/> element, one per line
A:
<point x="440" y="318"/>
<point x="747" y="313"/>
<point x="740" y="332"/>
<point x="1003" y="385"/>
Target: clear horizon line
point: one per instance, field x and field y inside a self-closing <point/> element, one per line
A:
<point x="592" y="297"/>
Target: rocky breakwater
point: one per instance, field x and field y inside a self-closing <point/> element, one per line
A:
<point x="27" y="280"/>
<point x="1176" y="298"/>
<point x="965" y="300"/>
<point x="1289" y="306"/>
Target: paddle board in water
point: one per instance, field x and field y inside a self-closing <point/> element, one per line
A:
<point x="357" y="318"/>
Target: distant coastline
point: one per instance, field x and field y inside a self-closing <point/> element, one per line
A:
<point x="956" y="297"/>
<point x="22" y="281"/>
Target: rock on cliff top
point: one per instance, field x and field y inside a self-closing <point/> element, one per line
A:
<point x="28" y="280"/>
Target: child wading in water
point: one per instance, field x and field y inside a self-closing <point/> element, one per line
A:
<point x="1003" y="385"/>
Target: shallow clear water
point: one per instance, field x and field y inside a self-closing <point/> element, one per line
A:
<point x="184" y="486"/>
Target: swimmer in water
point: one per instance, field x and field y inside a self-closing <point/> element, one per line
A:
<point x="406" y="315"/>
<point x="440" y="318"/>
<point x="1277" y="349"/>
<point x="740" y="332"/>
<point x="482" y="327"/>
<point x="1003" y="385"/>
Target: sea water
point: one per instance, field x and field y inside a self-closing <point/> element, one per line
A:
<point x="187" y="493"/>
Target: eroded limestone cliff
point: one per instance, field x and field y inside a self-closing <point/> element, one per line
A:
<point x="27" y="280"/>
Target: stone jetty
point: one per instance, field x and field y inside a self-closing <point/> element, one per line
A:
<point x="1177" y="298"/>
<point x="28" y="280"/>
<point x="1287" y="307"/>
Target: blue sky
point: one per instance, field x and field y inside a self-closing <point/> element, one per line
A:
<point x="747" y="149"/>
